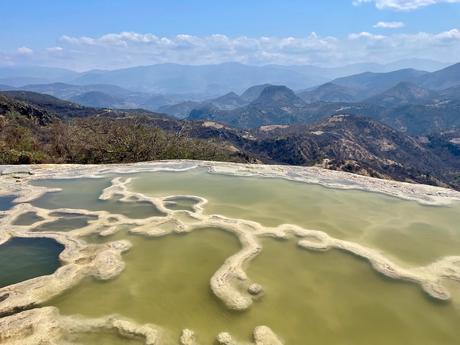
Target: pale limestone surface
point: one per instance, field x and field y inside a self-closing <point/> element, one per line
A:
<point x="80" y="259"/>
<point x="45" y="326"/>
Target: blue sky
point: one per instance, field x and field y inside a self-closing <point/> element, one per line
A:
<point x="50" y="32"/>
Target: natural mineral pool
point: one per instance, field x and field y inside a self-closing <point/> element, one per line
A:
<point x="331" y="298"/>
<point x="26" y="258"/>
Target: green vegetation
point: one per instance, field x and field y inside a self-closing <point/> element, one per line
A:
<point x="98" y="140"/>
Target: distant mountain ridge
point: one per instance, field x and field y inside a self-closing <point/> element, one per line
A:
<point x="329" y="92"/>
<point x="208" y="80"/>
<point x="405" y="107"/>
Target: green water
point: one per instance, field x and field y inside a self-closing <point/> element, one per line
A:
<point x="166" y="282"/>
<point x="334" y="298"/>
<point x="180" y="204"/>
<point x="27" y="218"/>
<point x="26" y="258"/>
<point x="84" y="193"/>
<point x="331" y="298"/>
<point x="405" y="230"/>
<point x="327" y="298"/>
<point x="67" y="222"/>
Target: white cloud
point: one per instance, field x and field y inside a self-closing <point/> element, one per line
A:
<point x="125" y="49"/>
<point x="25" y="51"/>
<point x="55" y="49"/>
<point x="403" y="5"/>
<point x="366" y="35"/>
<point x="389" y="25"/>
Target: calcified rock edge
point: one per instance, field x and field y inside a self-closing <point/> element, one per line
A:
<point x="25" y="322"/>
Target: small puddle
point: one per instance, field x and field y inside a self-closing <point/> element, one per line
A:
<point x="6" y="202"/>
<point x="180" y="204"/>
<point x="27" y="218"/>
<point x="68" y="222"/>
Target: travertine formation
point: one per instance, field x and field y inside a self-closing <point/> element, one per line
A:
<point x="46" y="326"/>
<point x="230" y="283"/>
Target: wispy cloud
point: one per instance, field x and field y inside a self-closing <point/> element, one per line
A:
<point x="25" y="51"/>
<point x="117" y="50"/>
<point x="55" y="49"/>
<point x="389" y="25"/>
<point x="403" y="5"/>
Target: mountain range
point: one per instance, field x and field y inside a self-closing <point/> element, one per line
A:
<point x="402" y="124"/>
<point x="407" y="100"/>
<point x="61" y="131"/>
<point x="206" y="80"/>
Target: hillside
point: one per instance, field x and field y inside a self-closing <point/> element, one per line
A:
<point x="355" y="144"/>
<point x="30" y="133"/>
<point x="65" y="109"/>
<point x="402" y="94"/>
<point x="442" y="79"/>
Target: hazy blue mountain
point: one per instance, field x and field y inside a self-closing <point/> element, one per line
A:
<point x="329" y="92"/>
<point x="253" y="92"/>
<point x="275" y="105"/>
<point x="331" y="73"/>
<point x="205" y="79"/>
<point x="369" y="84"/>
<point x="418" y="64"/>
<point x="442" y="79"/>
<point x="452" y="93"/>
<point x="98" y="99"/>
<point x="181" y="110"/>
<point x="155" y="101"/>
<point x="68" y="91"/>
<point x="278" y="96"/>
<point x="104" y="95"/>
<point x="19" y="76"/>
<point x="228" y="101"/>
<point x="402" y="94"/>
<point x="4" y="87"/>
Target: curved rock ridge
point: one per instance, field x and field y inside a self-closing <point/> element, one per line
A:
<point x="230" y="283"/>
<point x="47" y="327"/>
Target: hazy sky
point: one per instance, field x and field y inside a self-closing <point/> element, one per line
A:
<point x="85" y="34"/>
